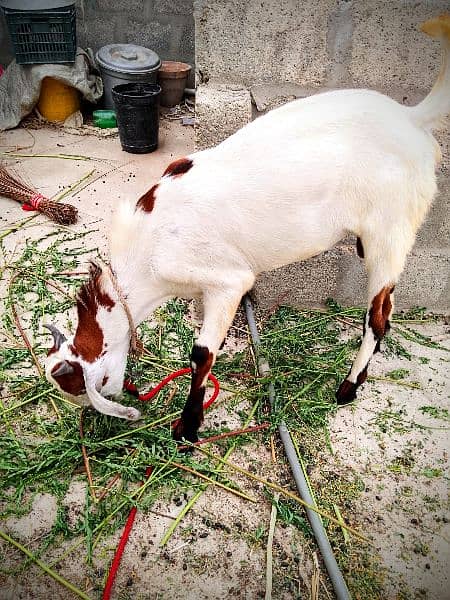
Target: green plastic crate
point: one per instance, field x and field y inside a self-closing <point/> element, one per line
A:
<point x="43" y="36"/>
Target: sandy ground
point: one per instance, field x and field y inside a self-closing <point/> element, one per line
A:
<point x="397" y="448"/>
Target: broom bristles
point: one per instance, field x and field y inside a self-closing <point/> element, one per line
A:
<point x="14" y="188"/>
<point x="64" y="214"/>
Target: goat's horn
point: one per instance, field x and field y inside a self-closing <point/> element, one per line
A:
<point x="63" y="368"/>
<point x="58" y="337"/>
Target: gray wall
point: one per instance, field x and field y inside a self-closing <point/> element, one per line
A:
<point x="269" y="52"/>
<point x="165" y="26"/>
<point x="6" y="54"/>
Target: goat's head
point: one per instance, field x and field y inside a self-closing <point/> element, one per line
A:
<point x="91" y="364"/>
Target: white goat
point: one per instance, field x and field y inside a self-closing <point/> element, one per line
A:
<point x="284" y="188"/>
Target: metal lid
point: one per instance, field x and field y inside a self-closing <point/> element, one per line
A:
<point x="128" y="58"/>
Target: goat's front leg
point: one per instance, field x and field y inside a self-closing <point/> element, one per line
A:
<point x="219" y="311"/>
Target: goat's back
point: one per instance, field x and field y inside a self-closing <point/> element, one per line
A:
<point x="293" y="182"/>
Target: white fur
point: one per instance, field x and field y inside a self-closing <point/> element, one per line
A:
<point x="282" y="189"/>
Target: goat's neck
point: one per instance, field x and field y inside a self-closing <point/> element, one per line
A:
<point x="134" y="293"/>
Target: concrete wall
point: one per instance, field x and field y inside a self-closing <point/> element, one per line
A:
<point x="266" y="53"/>
<point x="6" y="53"/>
<point x="164" y="26"/>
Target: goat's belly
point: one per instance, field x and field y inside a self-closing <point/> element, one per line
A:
<point x="280" y="244"/>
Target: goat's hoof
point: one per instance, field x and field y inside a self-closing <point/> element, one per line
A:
<point x="181" y="432"/>
<point x="132" y="414"/>
<point x="346" y="392"/>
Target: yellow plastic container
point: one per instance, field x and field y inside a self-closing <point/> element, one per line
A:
<point x="57" y="100"/>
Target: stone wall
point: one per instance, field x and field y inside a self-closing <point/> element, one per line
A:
<point x="164" y="26"/>
<point x="265" y="53"/>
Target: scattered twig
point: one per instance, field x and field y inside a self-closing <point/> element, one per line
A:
<point x="272" y="449"/>
<point x="27" y="341"/>
<point x="63" y="156"/>
<point x="269" y="565"/>
<point x="171" y="394"/>
<point x="32" y="399"/>
<point x="45" y="567"/>
<point x="212" y="481"/>
<point x="227" y="434"/>
<point x="322" y="583"/>
<point x="341" y="520"/>
<point x="179" y="547"/>
<point x="315" y="578"/>
<point x="16" y="148"/>
<point x="160" y="514"/>
<point x="86" y="460"/>
<point x="44" y="279"/>
<point x="72" y="273"/>
<point x="72" y="187"/>
<point x="286" y="493"/>
<point x="408" y="384"/>
<point x="21" y="329"/>
<point x="186" y="508"/>
<point x="198" y="494"/>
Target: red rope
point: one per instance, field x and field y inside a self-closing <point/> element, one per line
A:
<point x="129" y="524"/>
<point x="121" y="547"/>
<point x="33" y="202"/>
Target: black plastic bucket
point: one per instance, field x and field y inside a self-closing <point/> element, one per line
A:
<point x="137" y="109"/>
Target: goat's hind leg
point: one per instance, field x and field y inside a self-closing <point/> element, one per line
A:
<point x="383" y="272"/>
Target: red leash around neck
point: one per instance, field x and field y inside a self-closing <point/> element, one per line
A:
<point x="130" y="387"/>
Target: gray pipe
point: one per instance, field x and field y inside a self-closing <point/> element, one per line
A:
<point x="331" y="565"/>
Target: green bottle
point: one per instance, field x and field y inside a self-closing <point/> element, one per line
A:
<point x="104" y="118"/>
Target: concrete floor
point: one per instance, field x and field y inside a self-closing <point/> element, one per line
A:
<point x="116" y="174"/>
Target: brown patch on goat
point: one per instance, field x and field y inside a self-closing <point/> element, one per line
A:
<point x="359" y="248"/>
<point x="88" y="340"/>
<point x="380" y="311"/>
<point x="52" y="350"/>
<point x="192" y="415"/>
<point x="178" y="167"/>
<point x="105" y="380"/>
<point x="147" y="201"/>
<point x="72" y="383"/>
<point x="74" y="350"/>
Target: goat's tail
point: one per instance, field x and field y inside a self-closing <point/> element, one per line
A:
<point x="436" y="105"/>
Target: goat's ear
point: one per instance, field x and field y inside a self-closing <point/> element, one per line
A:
<point x="58" y="337"/>
<point x="62" y="368"/>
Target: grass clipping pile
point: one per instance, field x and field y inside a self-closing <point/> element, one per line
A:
<point x="41" y="445"/>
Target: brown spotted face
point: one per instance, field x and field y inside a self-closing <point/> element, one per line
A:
<point x="68" y="360"/>
<point x="64" y="370"/>
<point x="83" y="368"/>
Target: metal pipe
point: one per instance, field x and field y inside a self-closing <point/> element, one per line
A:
<point x="189" y="91"/>
<point x="329" y="559"/>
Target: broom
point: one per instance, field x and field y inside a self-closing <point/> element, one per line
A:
<point x="64" y="214"/>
